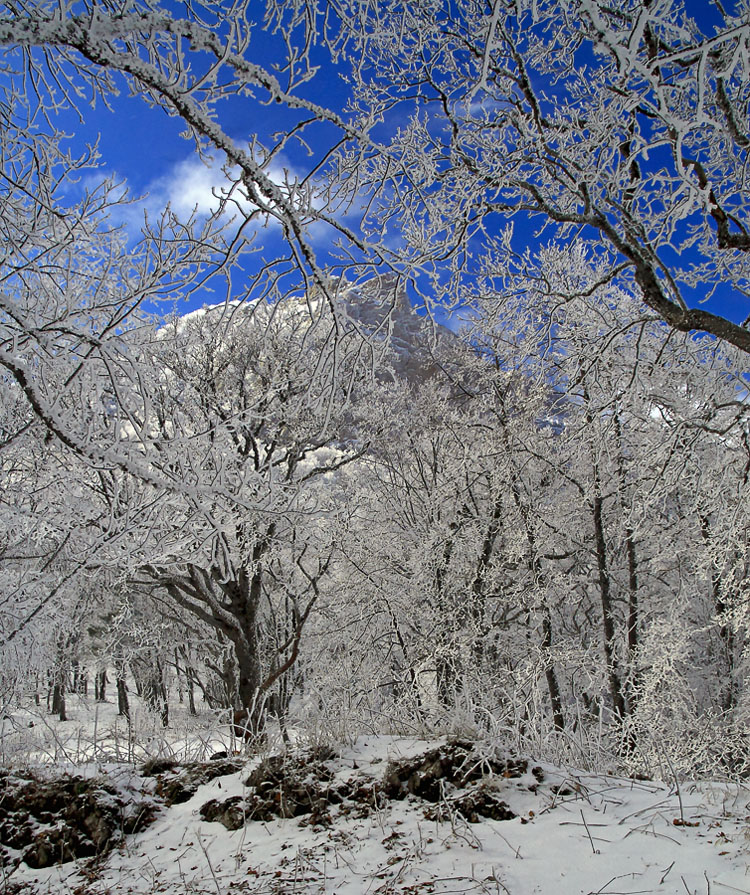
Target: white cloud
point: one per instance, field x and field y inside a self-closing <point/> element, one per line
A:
<point x="196" y="186"/>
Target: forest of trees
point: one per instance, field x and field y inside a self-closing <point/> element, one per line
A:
<point x="308" y="501"/>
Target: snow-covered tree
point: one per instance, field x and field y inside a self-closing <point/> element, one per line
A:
<point x="644" y="443"/>
<point x="76" y="286"/>
<point x="250" y="402"/>
<point x="79" y="289"/>
<point x="624" y="125"/>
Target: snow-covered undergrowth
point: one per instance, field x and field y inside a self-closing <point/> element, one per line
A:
<point x="570" y="832"/>
<point x="95" y="733"/>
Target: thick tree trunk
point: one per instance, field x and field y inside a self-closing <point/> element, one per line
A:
<point x="232" y="608"/>
<point x="248" y="680"/>
<point x="59" y="677"/>
<point x="152" y="686"/>
<point x="76" y="671"/>
<point x="245" y="595"/>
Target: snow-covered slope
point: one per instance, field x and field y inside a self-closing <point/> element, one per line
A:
<point x="573" y="834"/>
<point x="409" y="346"/>
<point x="381" y="309"/>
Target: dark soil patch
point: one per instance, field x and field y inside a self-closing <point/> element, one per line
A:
<point x="456" y="763"/>
<point x="281" y="786"/>
<point x="177" y="783"/>
<point x="53" y="821"/>
<point x="452" y="777"/>
<point x="230" y="812"/>
<point x="474" y="805"/>
<point x="290" y="786"/>
<point x="45" y="822"/>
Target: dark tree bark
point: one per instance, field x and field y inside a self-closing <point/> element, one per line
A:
<point x="59" y="678"/>
<point x="58" y="699"/>
<point x="550" y="675"/>
<point x="631" y="556"/>
<point x="534" y="566"/>
<point x="190" y="678"/>
<point x="231" y="608"/>
<point x="190" y="690"/>
<point x="231" y="605"/>
<point x="123" y="706"/>
<point x="726" y="634"/>
<point x="148" y="673"/>
<point x="596" y="506"/>
<point x="179" y="675"/>
<point x="605" y="595"/>
<point x="100" y="686"/>
<point x="448" y="676"/>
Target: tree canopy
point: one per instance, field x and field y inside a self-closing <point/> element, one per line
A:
<point x="540" y="521"/>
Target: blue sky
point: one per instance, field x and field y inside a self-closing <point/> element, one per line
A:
<point x="142" y="146"/>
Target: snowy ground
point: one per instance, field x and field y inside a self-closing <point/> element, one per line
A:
<point x="577" y="833"/>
